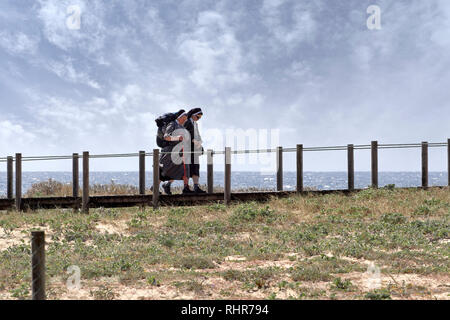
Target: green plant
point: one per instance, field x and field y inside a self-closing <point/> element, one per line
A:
<point x="22" y="292"/>
<point x="340" y="284"/>
<point x="194" y="262"/>
<point x="378" y="294"/>
<point x="251" y="211"/>
<point x="393" y="218"/>
<point x="151" y="280"/>
<point x="103" y="293"/>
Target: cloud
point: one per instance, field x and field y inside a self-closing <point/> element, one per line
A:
<point x="14" y="137"/>
<point x="214" y="53"/>
<point x="16" y="43"/>
<point x="309" y="68"/>
<point x="290" y="22"/>
<point x="54" y="15"/>
<point x="66" y="70"/>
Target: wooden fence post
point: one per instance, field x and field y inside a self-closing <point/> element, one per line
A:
<point x="85" y="200"/>
<point x="374" y="149"/>
<point x="38" y="265"/>
<point x="75" y="175"/>
<point x="155" y="198"/>
<point x="300" y="168"/>
<point x="448" y="160"/>
<point x="351" y="167"/>
<point x="280" y="169"/>
<point x="142" y="172"/>
<point x="227" y="181"/>
<point x="18" y="181"/>
<point x="424" y="164"/>
<point x="9" y="178"/>
<point x="210" y="172"/>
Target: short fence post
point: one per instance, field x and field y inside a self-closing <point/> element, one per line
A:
<point x="300" y="168"/>
<point x="227" y="181"/>
<point x="9" y="178"/>
<point x="424" y="164"/>
<point x="85" y="200"/>
<point x="448" y="160"/>
<point x="75" y="175"/>
<point x="142" y="172"/>
<point x="38" y="265"/>
<point x="351" y="167"/>
<point x="210" y="172"/>
<point x="18" y="181"/>
<point x="155" y="198"/>
<point x="374" y="149"/>
<point x="280" y="169"/>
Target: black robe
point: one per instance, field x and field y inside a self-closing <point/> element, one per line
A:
<point x="173" y="163"/>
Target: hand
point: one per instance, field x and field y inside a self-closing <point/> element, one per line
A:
<point x="180" y="138"/>
<point x="197" y="143"/>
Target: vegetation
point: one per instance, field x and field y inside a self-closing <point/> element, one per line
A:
<point x="310" y="247"/>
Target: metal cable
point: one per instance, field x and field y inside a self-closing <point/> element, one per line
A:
<point x="306" y="149"/>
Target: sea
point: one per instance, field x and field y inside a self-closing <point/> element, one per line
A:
<point x="241" y="180"/>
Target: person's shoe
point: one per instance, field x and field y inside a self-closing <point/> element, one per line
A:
<point x="166" y="188"/>
<point x="198" y="190"/>
<point x="186" y="190"/>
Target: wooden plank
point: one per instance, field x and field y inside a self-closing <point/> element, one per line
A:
<point x="280" y="169"/>
<point x="351" y="167"/>
<point x="75" y="175"/>
<point x="374" y="149"/>
<point x="18" y="181"/>
<point x="9" y="178"/>
<point x="424" y="164"/>
<point x="38" y="265"/>
<point x="300" y="168"/>
<point x="7" y="204"/>
<point x="155" y="198"/>
<point x="85" y="196"/>
<point x="141" y="172"/>
<point x="210" y="171"/>
<point x="227" y="178"/>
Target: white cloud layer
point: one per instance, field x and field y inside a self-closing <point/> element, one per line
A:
<point x="311" y="69"/>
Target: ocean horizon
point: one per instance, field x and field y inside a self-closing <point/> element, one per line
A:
<point x="329" y="180"/>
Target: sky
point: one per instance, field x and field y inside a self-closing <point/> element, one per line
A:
<point x="289" y="72"/>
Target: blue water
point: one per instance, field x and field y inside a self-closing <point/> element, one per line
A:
<point x="319" y="180"/>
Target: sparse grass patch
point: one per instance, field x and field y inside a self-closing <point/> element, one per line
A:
<point x="405" y="232"/>
<point x="194" y="262"/>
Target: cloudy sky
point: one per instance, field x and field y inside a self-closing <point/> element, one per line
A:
<point x="310" y="69"/>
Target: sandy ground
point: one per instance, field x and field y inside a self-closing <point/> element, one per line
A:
<point x="215" y="287"/>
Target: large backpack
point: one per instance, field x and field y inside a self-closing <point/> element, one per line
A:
<point x="162" y="123"/>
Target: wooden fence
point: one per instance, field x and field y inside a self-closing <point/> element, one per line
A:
<point x="87" y="201"/>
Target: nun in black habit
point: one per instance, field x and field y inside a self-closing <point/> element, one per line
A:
<point x="173" y="164"/>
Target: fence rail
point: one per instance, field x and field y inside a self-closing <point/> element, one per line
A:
<point x="86" y="200"/>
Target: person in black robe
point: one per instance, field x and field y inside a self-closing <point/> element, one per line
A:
<point x="173" y="164"/>
<point x="196" y="146"/>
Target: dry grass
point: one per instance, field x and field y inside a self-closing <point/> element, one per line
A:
<point x="52" y="188"/>
<point x="311" y="247"/>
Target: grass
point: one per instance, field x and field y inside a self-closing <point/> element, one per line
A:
<point x="310" y="247"/>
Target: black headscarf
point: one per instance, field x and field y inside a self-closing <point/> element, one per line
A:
<point x="195" y="111"/>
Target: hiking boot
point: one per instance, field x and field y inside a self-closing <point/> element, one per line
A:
<point x="186" y="190"/>
<point x="198" y="190"/>
<point x="166" y="188"/>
